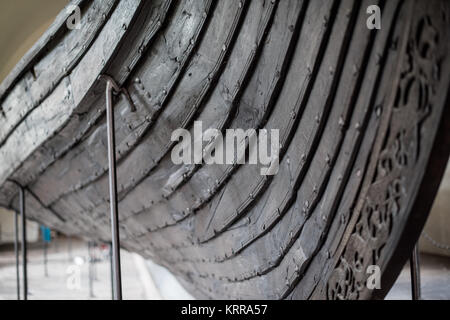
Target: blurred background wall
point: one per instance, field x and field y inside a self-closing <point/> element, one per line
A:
<point x="438" y="224"/>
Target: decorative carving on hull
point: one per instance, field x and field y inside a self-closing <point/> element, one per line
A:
<point x="385" y="203"/>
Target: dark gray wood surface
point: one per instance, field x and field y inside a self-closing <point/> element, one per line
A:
<point x="362" y="115"/>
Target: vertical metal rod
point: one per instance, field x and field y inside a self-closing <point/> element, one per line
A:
<point x="24" y="242"/>
<point x="95" y="275"/>
<point x="91" y="284"/>
<point x="70" y="247"/>
<point x="113" y="192"/>
<point x="415" y="273"/>
<point x="112" y="271"/>
<point x="45" y="259"/>
<point x="55" y="243"/>
<point x="16" y="250"/>
<point x="110" y="86"/>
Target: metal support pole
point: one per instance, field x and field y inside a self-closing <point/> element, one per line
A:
<point x="91" y="278"/>
<point x="112" y="271"/>
<point x="96" y="259"/>
<point x="24" y="242"/>
<point x="69" y="249"/>
<point x="45" y="260"/>
<point x="110" y="87"/>
<point x="415" y="273"/>
<point x="16" y="250"/>
<point x="113" y="192"/>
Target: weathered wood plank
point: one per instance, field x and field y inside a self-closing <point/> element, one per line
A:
<point x="362" y="116"/>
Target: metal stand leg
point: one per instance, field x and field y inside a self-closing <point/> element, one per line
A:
<point x="110" y="86"/>
<point x="24" y="242"/>
<point x="94" y="248"/>
<point x="69" y="249"/>
<point x="91" y="277"/>
<point x="112" y="271"/>
<point x="45" y="260"/>
<point x="16" y="250"/>
<point x="415" y="273"/>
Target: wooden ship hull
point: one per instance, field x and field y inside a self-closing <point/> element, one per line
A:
<point x="363" y="120"/>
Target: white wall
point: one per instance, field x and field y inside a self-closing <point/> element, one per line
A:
<point x="438" y="224"/>
<point x="7" y="228"/>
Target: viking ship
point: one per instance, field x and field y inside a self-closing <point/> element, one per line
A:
<point x="364" y="125"/>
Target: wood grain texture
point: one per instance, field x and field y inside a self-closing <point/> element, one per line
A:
<point x="358" y="113"/>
